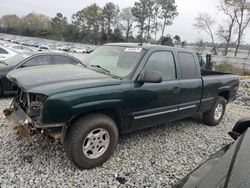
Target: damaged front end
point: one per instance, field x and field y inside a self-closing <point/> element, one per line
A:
<point x="24" y="113"/>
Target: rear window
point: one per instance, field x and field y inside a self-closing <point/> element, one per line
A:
<point x="187" y="65"/>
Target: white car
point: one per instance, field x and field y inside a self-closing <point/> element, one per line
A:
<point x="77" y="50"/>
<point x="6" y="53"/>
<point x="19" y="48"/>
<point x="43" y="47"/>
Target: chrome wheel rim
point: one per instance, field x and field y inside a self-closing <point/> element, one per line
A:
<point x="218" y="111"/>
<point x="96" y="143"/>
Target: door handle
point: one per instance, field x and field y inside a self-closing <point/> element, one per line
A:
<point x="176" y="90"/>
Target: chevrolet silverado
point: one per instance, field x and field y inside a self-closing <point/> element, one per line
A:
<point x="124" y="87"/>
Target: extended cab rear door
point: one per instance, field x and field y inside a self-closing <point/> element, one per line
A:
<point x="190" y="84"/>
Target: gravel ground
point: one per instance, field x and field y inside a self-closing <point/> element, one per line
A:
<point x="155" y="157"/>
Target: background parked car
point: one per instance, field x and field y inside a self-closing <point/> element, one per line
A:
<point x="19" y="48"/>
<point x="78" y="50"/>
<point x="43" y="47"/>
<point x="89" y="49"/>
<point x="27" y="60"/>
<point x="6" y="53"/>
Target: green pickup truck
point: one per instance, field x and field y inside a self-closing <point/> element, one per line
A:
<point x="123" y="87"/>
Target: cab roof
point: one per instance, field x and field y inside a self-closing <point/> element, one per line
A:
<point x="148" y="46"/>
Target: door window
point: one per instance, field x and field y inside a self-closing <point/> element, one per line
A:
<point x="162" y="61"/>
<point x="61" y="60"/>
<point x="39" y="60"/>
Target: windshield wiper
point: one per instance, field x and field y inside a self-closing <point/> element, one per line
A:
<point x="105" y="70"/>
<point x="101" y="68"/>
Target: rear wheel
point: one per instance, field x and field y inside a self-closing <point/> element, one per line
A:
<point x="214" y="116"/>
<point x="91" y="140"/>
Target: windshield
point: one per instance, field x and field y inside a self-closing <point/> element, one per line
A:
<point x="13" y="61"/>
<point x="115" y="60"/>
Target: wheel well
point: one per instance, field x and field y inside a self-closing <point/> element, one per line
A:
<point x="224" y="94"/>
<point x="111" y="112"/>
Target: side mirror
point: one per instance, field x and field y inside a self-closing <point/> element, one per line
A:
<point x="150" y="77"/>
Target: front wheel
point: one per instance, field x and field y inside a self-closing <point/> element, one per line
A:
<point x="214" y="116"/>
<point x="91" y="140"/>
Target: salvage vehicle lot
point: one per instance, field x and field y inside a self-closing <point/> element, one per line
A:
<point x="157" y="156"/>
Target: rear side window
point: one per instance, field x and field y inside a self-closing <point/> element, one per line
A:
<point x="187" y="64"/>
<point x="2" y="51"/>
<point x="61" y="60"/>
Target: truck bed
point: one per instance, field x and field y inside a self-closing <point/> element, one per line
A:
<point x="212" y="73"/>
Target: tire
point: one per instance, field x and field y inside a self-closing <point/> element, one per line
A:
<point x="82" y="136"/>
<point x="214" y="116"/>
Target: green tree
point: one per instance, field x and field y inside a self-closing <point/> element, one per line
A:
<point x="140" y="12"/>
<point x="177" y="40"/>
<point x="78" y="19"/>
<point x="150" y="16"/>
<point x="11" y="24"/>
<point x="109" y="14"/>
<point x="71" y="33"/>
<point x="37" y="25"/>
<point x="156" y="23"/>
<point x="93" y="15"/>
<point x="59" y="23"/>
<point x="168" y="41"/>
<point x="168" y="13"/>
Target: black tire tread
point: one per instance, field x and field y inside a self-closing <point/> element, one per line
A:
<point x="82" y="126"/>
<point x="208" y="117"/>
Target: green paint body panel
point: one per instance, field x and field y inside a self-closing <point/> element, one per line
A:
<point x="74" y="90"/>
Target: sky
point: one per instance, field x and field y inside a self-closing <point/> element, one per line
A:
<point x="182" y="26"/>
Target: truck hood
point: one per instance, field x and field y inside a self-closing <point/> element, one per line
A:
<point x="52" y="79"/>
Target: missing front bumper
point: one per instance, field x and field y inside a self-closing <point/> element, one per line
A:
<point x="19" y="121"/>
<point x="24" y="126"/>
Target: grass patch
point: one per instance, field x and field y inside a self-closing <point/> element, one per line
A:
<point x="230" y="68"/>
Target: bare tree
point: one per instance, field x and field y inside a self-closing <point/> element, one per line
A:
<point x="204" y="22"/>
<point x="225" y="31"/>
<point x="242" y="16"/>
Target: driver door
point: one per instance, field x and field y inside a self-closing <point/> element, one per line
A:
<point x="156" y="103"/>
